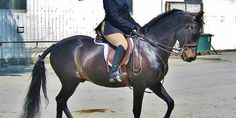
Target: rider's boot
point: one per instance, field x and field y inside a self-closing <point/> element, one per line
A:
<point x="114" y="74"/>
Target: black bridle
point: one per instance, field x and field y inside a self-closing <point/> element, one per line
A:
<point x="174" y="51"/>
<point x="166" y="48"/>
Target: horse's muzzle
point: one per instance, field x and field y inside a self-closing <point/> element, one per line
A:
<point x="189" y="54"/>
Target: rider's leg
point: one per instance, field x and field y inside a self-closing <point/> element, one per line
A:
<point x="115" y="39"/>
<point x="118" y="40"/>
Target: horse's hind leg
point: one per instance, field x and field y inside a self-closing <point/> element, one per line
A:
<point x="68" y="87"/>
<point x="159" y="90"/>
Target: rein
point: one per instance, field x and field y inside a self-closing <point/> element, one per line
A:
<point x="174" y="51"/>
<point x="151" y="44"/>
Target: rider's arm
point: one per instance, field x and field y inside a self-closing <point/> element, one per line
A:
<point x="115" y="18"/>
<point x="133" y="21"/>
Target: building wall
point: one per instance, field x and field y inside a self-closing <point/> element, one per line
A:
<point x="219" y="18"/>
<point x="8" y="33"/>
<point x="46" y="20"/>
<point x="145" y="11"/>
<point x="53" y="20"/>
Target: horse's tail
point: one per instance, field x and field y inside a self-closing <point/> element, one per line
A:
<point x="32" y="101"/>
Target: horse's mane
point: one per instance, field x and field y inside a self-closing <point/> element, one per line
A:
<point x="156" y="19"/>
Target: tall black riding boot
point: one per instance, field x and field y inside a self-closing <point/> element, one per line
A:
<point x="113" y="72"/>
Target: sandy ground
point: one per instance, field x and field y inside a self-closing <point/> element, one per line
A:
<point x="201" y="89"/>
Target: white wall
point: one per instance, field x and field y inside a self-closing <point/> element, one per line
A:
<point x="220" y="20"/>
<point x="47" y="20"/>
<point x="146" y="10"/>
<point x="57" y="19"/>
<point x="220" y="17"/>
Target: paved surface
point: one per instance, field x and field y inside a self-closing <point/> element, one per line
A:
<point x="201" y="89"/>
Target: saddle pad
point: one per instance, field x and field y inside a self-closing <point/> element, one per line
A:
<point x="109" y="52"/>
<point x="105" y="51"/>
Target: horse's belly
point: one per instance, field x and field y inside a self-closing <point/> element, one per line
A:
<point x="102" y="80"/>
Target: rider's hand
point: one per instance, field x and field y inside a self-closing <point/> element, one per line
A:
<point x="137" y="28"/>
<point x="133" y="33"/>
<point x="136" y="31"/>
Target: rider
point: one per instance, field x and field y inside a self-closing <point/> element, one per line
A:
<point x="116" y="24"/>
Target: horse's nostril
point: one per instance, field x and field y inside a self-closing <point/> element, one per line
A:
<point x="190" y="59"/>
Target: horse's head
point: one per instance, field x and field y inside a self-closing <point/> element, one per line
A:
<point x="165" y="29"/>
<point x="188" y="37"/>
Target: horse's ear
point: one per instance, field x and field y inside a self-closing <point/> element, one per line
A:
<point x="198" y="17"/>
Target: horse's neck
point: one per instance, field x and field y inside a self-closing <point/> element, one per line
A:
<point x="167" y="39"/>
<point x="164" y="31"/>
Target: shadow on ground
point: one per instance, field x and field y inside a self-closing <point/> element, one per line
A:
<point x="15" y="70"/>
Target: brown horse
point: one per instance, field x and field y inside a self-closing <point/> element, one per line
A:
<point x="77" y="59"/>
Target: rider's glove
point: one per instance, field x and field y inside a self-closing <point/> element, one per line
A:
<point x="136" y="31"/>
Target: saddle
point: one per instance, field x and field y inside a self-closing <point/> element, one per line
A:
<point x="109" y="51"/>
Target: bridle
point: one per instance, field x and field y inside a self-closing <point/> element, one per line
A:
<point x="185" y="44"/>
<point x="173" y="50"/>
<point x="165" y="48"/>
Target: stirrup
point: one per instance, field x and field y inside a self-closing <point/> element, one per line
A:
<point x="117" y="76"/>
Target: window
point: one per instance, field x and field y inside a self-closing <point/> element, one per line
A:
<point x="13" y="4"/>
<point x="193" y="1"/>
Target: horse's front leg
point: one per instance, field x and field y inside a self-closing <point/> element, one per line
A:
<point x="159" y="90"/>
<point x="138" y="92"/>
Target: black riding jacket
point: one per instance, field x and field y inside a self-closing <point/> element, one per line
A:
<point x="117" y="14"/>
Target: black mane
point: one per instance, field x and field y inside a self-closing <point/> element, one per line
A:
<point x="156" y="19"/>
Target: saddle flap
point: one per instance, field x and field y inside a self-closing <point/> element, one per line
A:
<point x="125" y="60"/>
<point x="109" y="52"/>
